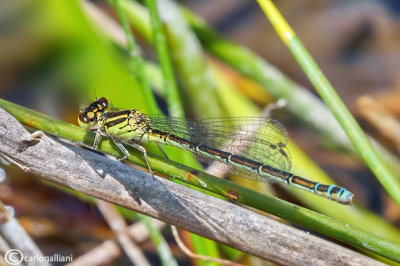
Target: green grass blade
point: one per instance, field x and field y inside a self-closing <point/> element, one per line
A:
<point x="333" y="101"/>
<point x="187" y="56"/>
<point x="174" y="102"/>
<point x="137" y="60"/>
<point x="156" y="236"/>
<point x="170" y="89"/>
<point x="190" y="63"/>
<point x="160" y="43"/>
<point x="172" y="95"/>
<point x="158" y="241"/>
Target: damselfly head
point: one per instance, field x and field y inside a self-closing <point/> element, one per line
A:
<point x="103" y="102"/>
<point x="86" y="119"/>
<point x="83" y="118"/>
<point x="91" y="114"/>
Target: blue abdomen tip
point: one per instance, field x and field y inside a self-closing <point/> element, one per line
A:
<point x="345" y="196"/>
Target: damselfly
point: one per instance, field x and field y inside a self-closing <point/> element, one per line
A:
<point x="263" y="157"/>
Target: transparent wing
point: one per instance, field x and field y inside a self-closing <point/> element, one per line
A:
<point x="259" y="139"/>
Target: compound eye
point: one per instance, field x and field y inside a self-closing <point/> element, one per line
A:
<point x="103" y="102"/>
<point x="83" y="118"/>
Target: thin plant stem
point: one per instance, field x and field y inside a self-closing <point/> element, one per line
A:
<point x="158" y="241"/>
<point x="160" y="43"/>
<point x="174" y="102"/>
<point x="332" y="100"/>
<point x="137" y="60"/>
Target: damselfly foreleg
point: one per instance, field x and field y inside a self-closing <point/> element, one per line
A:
<point x="95" y="143"/>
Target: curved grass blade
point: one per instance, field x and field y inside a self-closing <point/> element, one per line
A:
<point x="333" y="101"/>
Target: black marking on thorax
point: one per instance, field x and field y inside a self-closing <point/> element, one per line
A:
<point x="118" y="113"/>
<point x="115" y="118"/>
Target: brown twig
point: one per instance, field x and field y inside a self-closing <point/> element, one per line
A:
<point x="15" y="236"/>
<point x="189" y="253"/>
<point x="109" y="250"/>
<point x="119" y="226"/>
